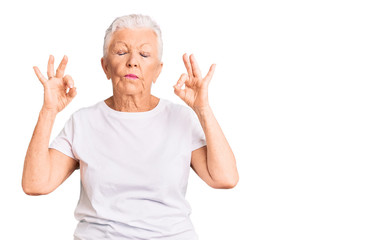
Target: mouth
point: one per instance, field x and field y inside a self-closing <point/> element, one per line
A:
<point x="131" y="76"/>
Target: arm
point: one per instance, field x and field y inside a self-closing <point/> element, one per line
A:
<point x="220" y="159"/>
<point x="215" y="163"/>
<point x="44" y="169"/>
<point x="36" y="171"/>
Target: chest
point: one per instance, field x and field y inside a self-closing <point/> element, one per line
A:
<point x="120" y="156"/>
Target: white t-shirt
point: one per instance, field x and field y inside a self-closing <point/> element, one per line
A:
<point x="134" y="169"/>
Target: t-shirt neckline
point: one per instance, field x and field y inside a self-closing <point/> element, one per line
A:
<point x="120" y="114"/>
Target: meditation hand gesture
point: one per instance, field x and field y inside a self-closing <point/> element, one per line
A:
<point x="56" y="97"/>
<point x="195" y="93"/>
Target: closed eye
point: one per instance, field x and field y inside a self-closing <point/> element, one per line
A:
<point x="121" y="53"/>
<point x="144" y="55"/>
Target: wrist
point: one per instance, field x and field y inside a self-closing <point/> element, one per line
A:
<point x="201" y="111"/>
<point x="202" y="108"/>
<point x="48" y="112"/>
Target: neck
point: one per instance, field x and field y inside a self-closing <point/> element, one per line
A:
<point x="130" y="103"/>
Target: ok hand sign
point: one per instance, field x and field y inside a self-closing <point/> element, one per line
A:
<point x="56" y="97"/>
<point x="195" y="94"/>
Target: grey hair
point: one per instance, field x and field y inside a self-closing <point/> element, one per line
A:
<point x="133" y="21"/>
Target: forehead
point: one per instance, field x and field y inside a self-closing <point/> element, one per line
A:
<point x="134" y="37"/>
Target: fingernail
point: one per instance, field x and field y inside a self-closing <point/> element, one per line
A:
<point x="71" y="86"/>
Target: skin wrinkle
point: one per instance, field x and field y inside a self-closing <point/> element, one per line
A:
<point x="215" y="163"/>
<point x="117" y="48"/>
<point x="139" y="56"/>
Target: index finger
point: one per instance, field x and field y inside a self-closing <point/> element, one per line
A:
<point x="61" y="67"/>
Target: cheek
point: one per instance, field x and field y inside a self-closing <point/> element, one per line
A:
<point x="115" y="67"/>
<point x="151" y="69"/>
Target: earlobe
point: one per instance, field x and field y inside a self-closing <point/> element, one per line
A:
<point x="160" y="68"/>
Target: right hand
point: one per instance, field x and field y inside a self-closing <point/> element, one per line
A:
<point x="55" y="86"/>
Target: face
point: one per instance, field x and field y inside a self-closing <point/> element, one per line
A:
<point x="132" y="51"/>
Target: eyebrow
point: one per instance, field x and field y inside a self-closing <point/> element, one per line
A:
<point x="126" y="44"/>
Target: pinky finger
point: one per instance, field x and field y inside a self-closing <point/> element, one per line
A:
<point x="41" y="78"/>
<point x="209" y="76"/>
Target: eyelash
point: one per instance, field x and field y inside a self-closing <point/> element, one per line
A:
<point x="145" y="56"/>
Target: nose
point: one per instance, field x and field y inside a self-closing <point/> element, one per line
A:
<point x="132" y="61"/>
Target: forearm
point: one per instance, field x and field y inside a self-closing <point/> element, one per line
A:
<point x="220" y="158"/>
<point x="36" y="171"/>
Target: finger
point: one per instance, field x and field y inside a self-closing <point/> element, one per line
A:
<point x="209" y="76"/>
<point x="187" y="64"/>
<point x="68" y="81"/>
<point x="71" y="94"/>
<point x="181" y="81"/>
<point x="50" y="71"/>
<point x="41" y="78"/>
<point x="177" y="88"/>
<point x="61" y="67"/>
<point x="196" y="70"/>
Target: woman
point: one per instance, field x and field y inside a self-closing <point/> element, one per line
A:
<point x="134" y="150"/>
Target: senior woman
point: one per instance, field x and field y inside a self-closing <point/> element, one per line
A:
<point x="134" y="150"/>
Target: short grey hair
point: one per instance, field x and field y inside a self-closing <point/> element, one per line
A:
<point x="133" y="21"/>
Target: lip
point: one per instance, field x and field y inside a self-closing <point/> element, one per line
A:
<point x="131" y="76"/>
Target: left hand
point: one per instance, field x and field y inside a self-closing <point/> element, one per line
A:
<point x="195" y="93"/>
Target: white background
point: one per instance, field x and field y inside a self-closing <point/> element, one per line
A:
<point x="301" y="91"/>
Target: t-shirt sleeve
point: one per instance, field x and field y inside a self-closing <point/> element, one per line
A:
<point x="197" y="133"/>
<point x="63" y="142"/>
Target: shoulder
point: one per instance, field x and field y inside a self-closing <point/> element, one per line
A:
<point x="177" y="108"/>
<point x="87" y="111"/>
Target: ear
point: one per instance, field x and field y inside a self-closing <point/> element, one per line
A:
<point x="105" y="67"/>
<point x="158" y="71"/>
